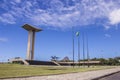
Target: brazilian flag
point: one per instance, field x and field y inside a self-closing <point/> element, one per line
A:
<point x="77" y="33"/>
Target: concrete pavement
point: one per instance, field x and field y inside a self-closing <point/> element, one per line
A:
<point x="115" y="76"/>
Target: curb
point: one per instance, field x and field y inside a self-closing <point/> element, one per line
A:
<point x="105" y="75"/>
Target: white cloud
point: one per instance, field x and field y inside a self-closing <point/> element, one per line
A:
<point x="17" y="1"/>
<point x="80" y="14"/>
<point x="3" y="39"/>
<point x="107" y="27"/>
<point x="114" y="16"/>
<point x="7" y="18"/>
<point x="62" y="21"/>
<point x="107" y="35"/>
<point x="63" y="14"/>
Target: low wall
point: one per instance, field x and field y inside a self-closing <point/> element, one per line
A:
<point x="35" y="62"/>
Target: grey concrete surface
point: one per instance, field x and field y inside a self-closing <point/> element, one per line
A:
<point x="115" y="76"/>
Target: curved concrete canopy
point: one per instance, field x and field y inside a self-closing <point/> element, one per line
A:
<point x="29" y="28"/>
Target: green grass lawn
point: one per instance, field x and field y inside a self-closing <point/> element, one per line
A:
<point x="16" y="70"/>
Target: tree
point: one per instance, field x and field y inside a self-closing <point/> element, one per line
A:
<point x="54" y="58"/>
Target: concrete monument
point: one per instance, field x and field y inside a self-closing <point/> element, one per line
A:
<point x="31" y="40"/>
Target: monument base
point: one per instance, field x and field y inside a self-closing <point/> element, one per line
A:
<point x="36" y="62"/>
<point x="32" y="62"/>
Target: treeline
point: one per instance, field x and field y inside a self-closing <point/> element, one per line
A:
<point x="103" y="61"/>
<point x="109" y="61"/>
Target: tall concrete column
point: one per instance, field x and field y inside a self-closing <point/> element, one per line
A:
<point x="29" y="45"/>
<point x="33" y="41"/>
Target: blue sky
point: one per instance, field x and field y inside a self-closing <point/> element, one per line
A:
<point x="99" y="19"/>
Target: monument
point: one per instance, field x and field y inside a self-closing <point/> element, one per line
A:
<point x="30" y="49"/>
<point x="31" y="40"/>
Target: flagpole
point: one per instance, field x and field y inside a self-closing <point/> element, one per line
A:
<point x="73" y="44"/>
<point x="77" y="34"/>
<point x="83" y="52"/>
<point x="88" y="57"/>
<point x="79" y="50"/>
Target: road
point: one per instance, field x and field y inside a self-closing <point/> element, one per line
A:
<point x="112" y="77"/>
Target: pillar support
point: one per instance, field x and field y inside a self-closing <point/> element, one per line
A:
<point x="33" y="41"/>
<point x="29" y="45"/>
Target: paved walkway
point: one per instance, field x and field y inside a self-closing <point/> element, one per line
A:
<point x="72" y="76"/>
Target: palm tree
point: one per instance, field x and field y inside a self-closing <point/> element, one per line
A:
<point x="54" y="58"/>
